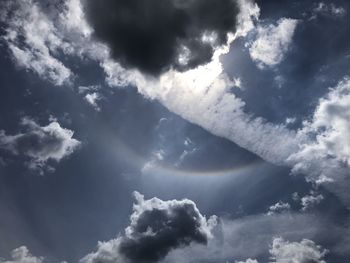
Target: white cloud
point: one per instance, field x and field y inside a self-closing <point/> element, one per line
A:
<point x="249" y="260"/>
<point x="279" y="207"/>
<point x="331" y="122"/>
<point x="272" y="42"/>
<point x="250" y="237"/>
<point x="324" y="156"/>
<point x="22" y="255"/>
<point x="302" y="252"/>
<point x="37" y="40"/>
<point x="248" y="15"/>
<point x="40" y="143"/>
<point x="33" y="40"/>
<point x="283" y="251"/>
<point x="92" y="99"/>
<point x="310" y="201"/>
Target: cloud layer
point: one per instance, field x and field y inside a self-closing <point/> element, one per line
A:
<point x="202" y="95"/>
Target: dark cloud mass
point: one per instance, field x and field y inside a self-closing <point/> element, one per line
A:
<point x="156" y="228"/>
<point x="156" y="35"/>
<point x="172" y="228"/>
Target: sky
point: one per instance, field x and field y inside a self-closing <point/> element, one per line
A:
<point x="187" y="131"/>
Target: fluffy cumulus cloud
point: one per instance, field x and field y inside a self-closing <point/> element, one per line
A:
<point x="40" y="144"/>
<point x="159" y="35"/>
<point x="325" y="155"/>
<point x="283" y="251"/>
<point x="272" y="42"/>
<point x="22" y="255"/>
<point x="156" y="228"/>
<point x="331" y="124"/>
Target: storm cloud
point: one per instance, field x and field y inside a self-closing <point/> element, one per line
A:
<point x="154" y="36"/>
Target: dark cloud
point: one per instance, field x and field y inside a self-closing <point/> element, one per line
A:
<point x="156" y="228"/>
<point x="152" y="35"/>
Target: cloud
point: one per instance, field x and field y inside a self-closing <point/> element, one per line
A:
<point x="39" y="38"/>
<point x="327" y="9"/>
<point x="92" y="99"/>
<point x="33" y="40"/>
<point x="272" y="42"/>
<point x="251" y="237"/>
<point x="302" y="252"/>
<point x="203" y="96"/>
<point x="22" y="255"/>
<point x="154" y="36"/>
<point x="86" y="89"/>
<point x="283" y="251"/>
<point x="325" y="155"/>
<point x="40" y="143"/>
<point x="156" y="228"/>
<point x="279" y="207"/>
<point x="310" y="201"/>
<point x="249" y="260"/>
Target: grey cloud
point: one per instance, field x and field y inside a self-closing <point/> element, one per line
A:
<point x="40" y="143"/>
<point x="156" y="228"/>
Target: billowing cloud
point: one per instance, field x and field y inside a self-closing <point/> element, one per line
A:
<point x="156" y="228"/>
<point x="325" y="155"/>
<point x="155" y="36"/>
<point x="40" y="143"/>
<point x="283" y="251"/>
<point x="22" y="255"/>
<point x="272" y="42"/>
